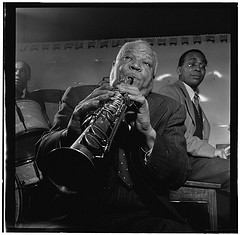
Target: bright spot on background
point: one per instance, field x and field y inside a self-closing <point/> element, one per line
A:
<point x="218" y="74"/>
<point x="203" y="98"/>
<point x="161" y="77"/>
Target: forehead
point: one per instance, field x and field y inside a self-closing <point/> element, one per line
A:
<point x="21" y="65"/>
<point x="138" y="49"/>
<point x="194" y="55"/>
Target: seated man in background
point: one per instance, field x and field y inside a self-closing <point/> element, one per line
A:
<point x="149" y="143"/>
<point x="31" y="121"/>
<point x="208" y="163"/>
<point x="22" y="77"/>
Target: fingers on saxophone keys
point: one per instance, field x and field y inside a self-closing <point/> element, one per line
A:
<point x="105" y="96"/>
<point x="106" y="87"/>
<point x="98" y="93"/>
<point x="139" y="99"/>
<point x="101" y="97"/>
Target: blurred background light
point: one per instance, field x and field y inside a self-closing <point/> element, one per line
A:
<point x="203" y="98"/>
<point x="218" y="74"/>
<point x="161" y="77"/>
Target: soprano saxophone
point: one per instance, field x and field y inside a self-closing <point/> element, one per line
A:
<point x="72" y="169"/>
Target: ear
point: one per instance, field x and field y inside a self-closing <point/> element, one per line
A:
<point x="179" y="70"/>
<point x="113" y="63"/>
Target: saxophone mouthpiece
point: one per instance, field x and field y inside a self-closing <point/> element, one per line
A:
<point x="128" y="80"/>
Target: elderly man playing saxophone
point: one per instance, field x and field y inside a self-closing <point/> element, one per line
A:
<point x="149" y="143"/>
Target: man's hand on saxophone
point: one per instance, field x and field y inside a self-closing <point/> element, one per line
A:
<point x="142" y="122"/>
<point x="88" y="105"/>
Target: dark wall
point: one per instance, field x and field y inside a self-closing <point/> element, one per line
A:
<point x="66" y="22"/>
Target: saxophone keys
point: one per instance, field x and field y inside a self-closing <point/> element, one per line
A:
<point x="99" y="133"/>
<point x="93" y="142"/>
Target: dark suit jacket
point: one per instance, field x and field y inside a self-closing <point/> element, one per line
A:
<point x="195" y="146"/>
<point x="168" y="166"/>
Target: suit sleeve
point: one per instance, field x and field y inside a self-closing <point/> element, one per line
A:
<point x="195" y="146"/>
<point x="206" y="127"/>
<point x="198" y="147"/>
<point x="55" y="137"/>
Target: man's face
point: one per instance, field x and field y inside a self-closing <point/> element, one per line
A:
<point x="22" y="75"/>
<point x="193" y="70"/>
<point x="135" y="62"/>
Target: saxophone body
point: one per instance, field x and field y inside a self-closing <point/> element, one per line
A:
<point x="72" y="169"/>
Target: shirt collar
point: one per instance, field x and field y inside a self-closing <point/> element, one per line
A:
<point x="190" y="91"/>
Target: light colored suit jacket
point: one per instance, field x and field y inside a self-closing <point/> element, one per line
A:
<point x="195" y="146"/>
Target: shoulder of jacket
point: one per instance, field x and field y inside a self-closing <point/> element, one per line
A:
<point x="163" y="99"/>
<point x="170" y="87"/>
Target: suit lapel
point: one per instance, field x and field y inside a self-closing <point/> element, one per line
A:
<point x="187" y="100"/>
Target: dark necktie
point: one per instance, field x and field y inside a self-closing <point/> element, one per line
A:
<point x="196" y="101"/>
<point x="198" y="117"/>
<point x="123" y="172"/>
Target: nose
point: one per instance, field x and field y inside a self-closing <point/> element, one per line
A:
<point x="197" y="67"/>
<point x="135" y="66"/>
<point x="17" y="71"/>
